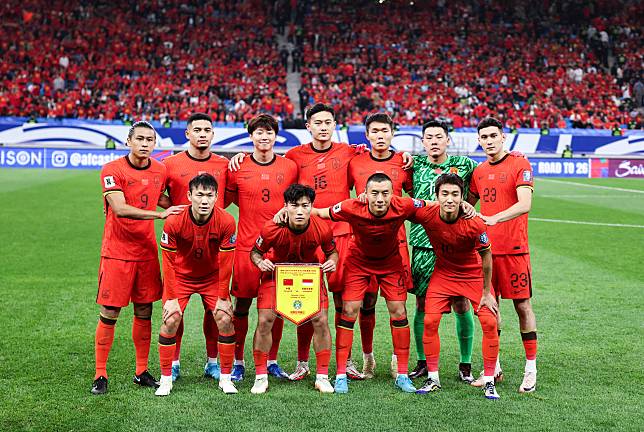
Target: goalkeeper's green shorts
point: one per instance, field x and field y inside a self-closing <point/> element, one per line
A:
<point x="422" y="267"/>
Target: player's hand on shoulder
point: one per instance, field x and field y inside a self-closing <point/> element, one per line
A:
<point x="517" y="153"/>
<point x="489" y="301"/>
<point x="329" y="266"/>
<point x="235" y="162"/>
<point x="173" y="210"/>
<point x="266" y="265"/>
<point x="362" y="197"/>
<point x="360" y="148"/>
<point x="170" y="307"/>
<point x="468" y="210"/>
<point x="408" y="161"/>
<point x="281" y="217"/>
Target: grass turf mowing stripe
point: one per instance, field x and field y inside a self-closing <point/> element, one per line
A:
<point x="549" y="180"/>
<point x="586" y="223"/>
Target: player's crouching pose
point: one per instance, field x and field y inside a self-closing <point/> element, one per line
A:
<point x="198" y="247"/>
<point x="459" y="272"/>
<point x="297" y="241"/>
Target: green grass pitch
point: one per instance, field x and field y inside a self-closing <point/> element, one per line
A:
<point x="589" y="303"/>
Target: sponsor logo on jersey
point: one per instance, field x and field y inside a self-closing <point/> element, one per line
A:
<point x="527" y="176"/>
<point x="483" y="238"/>
<point x="109" y="181"/>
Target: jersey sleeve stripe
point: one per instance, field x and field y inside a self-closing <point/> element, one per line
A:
<point x="226" y="249"/>
<point x="167" y="249"/>
<point x="481" y="249"/>
<point x="526" y="186"/>
<point x="106" y="193"/>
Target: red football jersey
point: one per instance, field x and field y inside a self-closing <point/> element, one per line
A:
<point x="456" y="244"/>
<point x="375" y="237"/>
<point x="258" y="190"/>
<point x="326" y="172"/>
<point x="182" y="167"/>
<point x="495" y="184"/>
<point x="365" y="165"/>
<point x="289" y="246"/>
<point x="125" y="238"/>
<point x="197" y="245"/>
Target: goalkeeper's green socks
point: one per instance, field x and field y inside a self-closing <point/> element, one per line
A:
<point x="419" y="328"/>
<point x="465" y="333"/>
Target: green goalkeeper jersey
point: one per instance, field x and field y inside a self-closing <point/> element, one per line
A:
<point x="425" y="175"/>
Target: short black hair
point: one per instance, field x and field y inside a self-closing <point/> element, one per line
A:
<point x="198" y="116"/>
<point x="489" y="121"/>
<point x="380" y="118"/>
<point x="263" y="121"/>
<point x="378" y="178"/>
<point x="436" y="123"/>
<point x="205" y="180"/>
<point x="296" y="191"/>
<point x="449" y="178"/>
<point x="318" y="108"/>
<point x="139" y="124"/>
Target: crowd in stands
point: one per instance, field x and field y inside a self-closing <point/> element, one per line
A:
<point x="554" y="63"/>
<point x="155" y="59"/>
<point x="534" y="64"/>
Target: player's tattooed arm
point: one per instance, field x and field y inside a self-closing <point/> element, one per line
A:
<point x="235" y="161"/>
<point x="522" y="206"/>
<point x="257" y="258"/>
<point x="487" y="299"/>
<point x="116" y="201"/>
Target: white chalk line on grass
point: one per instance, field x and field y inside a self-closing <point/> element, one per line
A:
<point x="586" y="223"/>
<point x="591" y="185"/>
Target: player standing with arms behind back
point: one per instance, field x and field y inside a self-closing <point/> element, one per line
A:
<point x="504" y="184"/>
<point x="129" y="269"/>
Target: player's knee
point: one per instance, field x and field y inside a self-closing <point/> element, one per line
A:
<point x="432" y="321"/>
<point x="143" y="310"/>
<point x="488" y="322"/>
<point x="320" y="321"/>
<point x="224" y="322"/>
<point x="110" y="312"/>
<point x="171" y="324"/>
<point x="350" y="310"/>
<point x="265" y="322"/>
<point x="523" y="307"/>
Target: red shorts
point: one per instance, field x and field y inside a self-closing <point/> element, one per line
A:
<point x="512" y="276"/>
<point x="443" y="290"/>
<point x="266" y="295"/>
<point x="121" y="282"/>
<point x="207" y="289"/>
<point x="404" y="254"/>
<point x="335" y="280"/>
<point x="389" y="275"/>
<point x="246" y="276"/>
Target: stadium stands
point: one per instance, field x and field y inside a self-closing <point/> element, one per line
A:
<point x="534" y="64"/>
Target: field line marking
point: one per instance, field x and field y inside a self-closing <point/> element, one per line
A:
<point x="592" y="186"/>
<point x="583" y="196"/>
<point x="586" y="223"/>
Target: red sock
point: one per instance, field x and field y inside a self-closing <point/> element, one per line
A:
<point x="490" y="341"/>
<point x="103" y="345"/>
<point x="530" y="344"/>
<point x="166" y="352"/>
<point x="226" y="344"/>
<point x="304" y="338"/>
<point x="141" y="335"/>
<point x="367" y="322"/>
<point x="240" y="322"/>
<point x="322" y="359"/>
<point x="211" y="333"/>
<point x="431" y="340"/>
<point x="400" y="335"/>
<point x="260" y="362"/>
<point x="177" y="346"/>
<point x="343" y="342"/>
<point x="278" y="327"/>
